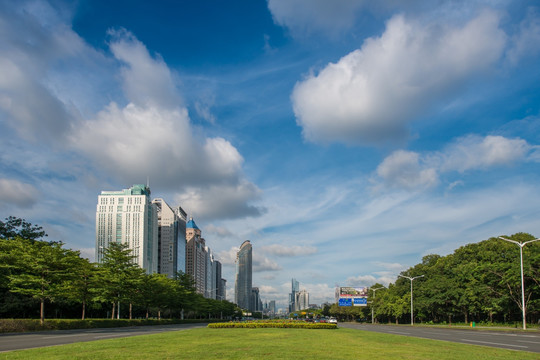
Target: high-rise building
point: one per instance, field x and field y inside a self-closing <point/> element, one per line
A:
<point x="255" y="301"/>
<point x="210" y="286"/>
<point x="302" y="300"/>
<point x="272" y="308"/>
<point x="196" y="256"/>
<point x="128" y="217"/>
<point x="217" y="293"/>
<point x="295" y="287"/>
<point x="223" y="290"/>
<point x="181" y="249"/>
<point x="171" y="238"/>
<point x="243" y="284"/>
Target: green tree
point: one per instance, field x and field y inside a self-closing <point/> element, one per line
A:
<point x="82" y="287"/>
<point x="118" y="275"/>
<point x="45" y="267"/>
<point x="14" y="226"/>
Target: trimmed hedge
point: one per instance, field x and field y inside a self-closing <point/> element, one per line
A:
<point x="26" y="325"/>
<point x="272" y="324"/>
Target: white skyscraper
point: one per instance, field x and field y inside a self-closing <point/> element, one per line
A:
<point x="128" y="217"/>
<point x="302" y="300"/>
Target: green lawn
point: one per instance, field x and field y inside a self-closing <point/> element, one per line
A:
<point x="269" y="344"/>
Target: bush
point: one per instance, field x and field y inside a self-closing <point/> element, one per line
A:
<point x="272" y="324"/>
<point x="26" y="325"/>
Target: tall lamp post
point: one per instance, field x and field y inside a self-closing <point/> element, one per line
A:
<point x="521" y="245"/>
<point x="411" y="279"/>
<point x="374" y="290"/>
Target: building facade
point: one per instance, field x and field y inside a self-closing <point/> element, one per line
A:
<point x="128" y="217"/>
<point x="302" y="300"/>
<point x="171" y="238"/>
<point x="255" y="301"/>
<point x="181" y="250"/>
<point x="196" y="256"/>
<point x="295" y="287"/>
<point x="243" y="283"/>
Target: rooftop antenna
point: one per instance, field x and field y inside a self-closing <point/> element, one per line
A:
<point x="148" y="181"/>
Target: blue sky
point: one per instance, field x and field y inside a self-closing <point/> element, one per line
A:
<point x="346" y="140"/>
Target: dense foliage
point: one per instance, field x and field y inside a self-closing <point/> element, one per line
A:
<point x="39" y="277"/>
<point x="479" y="282"/>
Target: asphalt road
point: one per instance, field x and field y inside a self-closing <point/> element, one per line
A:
<point x="525" y="341"/>
<point x="20" y="341"/>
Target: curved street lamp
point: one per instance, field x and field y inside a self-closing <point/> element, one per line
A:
<point x="411" y="278"/>
<point x="521" y="245"/>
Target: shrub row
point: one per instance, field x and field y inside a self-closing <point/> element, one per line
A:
<point x="26" y="325"/>
<point x="265" y="324"/>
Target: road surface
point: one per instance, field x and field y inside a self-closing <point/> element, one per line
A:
<point x="20" y="341"/>
<point x="525" y="341"/>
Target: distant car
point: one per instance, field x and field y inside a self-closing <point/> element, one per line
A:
<point x="332" y="321"/>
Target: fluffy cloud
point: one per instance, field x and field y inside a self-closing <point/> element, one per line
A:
<point x="14" y="192"/>
<point x="260" y="263"/>
<point x="402" y="169"/>
<point x="410" y="170"/>
<point x="147" y="81"/>
<point x="34" y="40"/>
<point x="303" y="16"/>
<point x="224" y="201"/>
<point x="152" y="136"/>
<point x="474" y="152"/>
<point x="371" y="94"/>
<point x="288" y="251"/>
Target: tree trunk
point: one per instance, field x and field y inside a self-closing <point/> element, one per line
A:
<point x="159" y="314"/>
<point x="146" y="313"/>
<point x="450" y="319"/>
<point x="130" y="309"/>
<point x="83" y="309"/>
<point x="113" y="308"/>
<point x="42" y="312"/>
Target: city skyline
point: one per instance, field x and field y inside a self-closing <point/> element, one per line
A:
<point x="345" y="142"/>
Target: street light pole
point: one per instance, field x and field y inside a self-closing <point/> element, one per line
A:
<point x="411" y="279"/>
<point x="374" y="290"/>
<point x="521" y="245"/>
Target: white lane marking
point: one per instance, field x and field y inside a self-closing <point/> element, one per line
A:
<point x="492" y="343"/>
<point x="529" y="342"/>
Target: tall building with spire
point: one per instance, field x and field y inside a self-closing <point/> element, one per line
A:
<point x="128" y="217"/>
<point x="196" y="256"/>
<point x="243" y="284"/>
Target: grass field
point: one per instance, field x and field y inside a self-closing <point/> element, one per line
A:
<point x="268" y="344"/>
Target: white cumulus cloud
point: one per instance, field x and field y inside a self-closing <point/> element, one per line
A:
<point x="152" y="136"/>
<point x="403" y="169"/>
<point x="475" y="152"/>
<point x="371" y="94"/>
<point x="411" y="170"/>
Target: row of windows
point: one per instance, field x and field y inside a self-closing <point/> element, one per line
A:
<point x="110" y="200"/>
